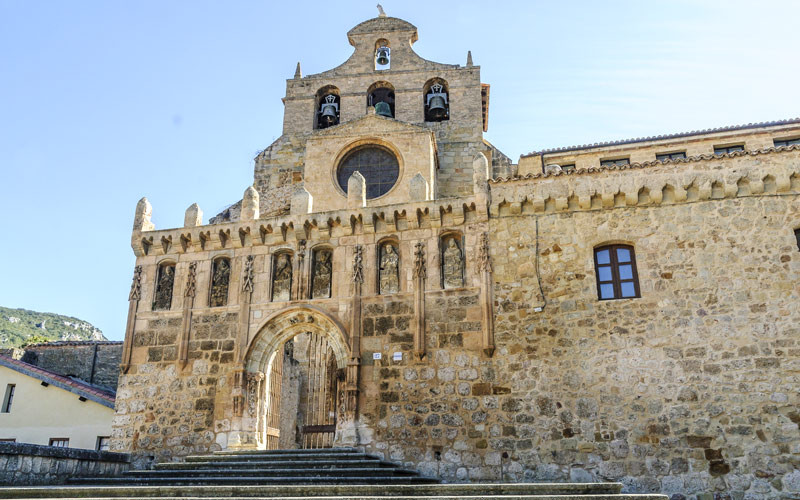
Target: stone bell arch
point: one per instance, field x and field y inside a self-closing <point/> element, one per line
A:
<point x="252" y="384"/>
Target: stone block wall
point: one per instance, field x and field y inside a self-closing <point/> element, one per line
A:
<point x="93" y="362"/>
<point x="162" y="411"/>
<point x="33" y="465"/>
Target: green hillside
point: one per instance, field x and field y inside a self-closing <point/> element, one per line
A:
<point x="20" y="326"/>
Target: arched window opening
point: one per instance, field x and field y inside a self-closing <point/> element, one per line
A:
<point x="327" y="107"/>
<point x="617" y="277"/>
<point x="388" y="268"/>
<point x="383" y="55"/>
<point x="165" y="280"/>
<point x="220" y="278"/>
<point x="377" y="164"/>
<point x="452" y="259"/>
<point x="381" y="95"/>
<point x="282" y="277"/>
<point x="437" y="102"/>
<point x="321" y="273"/>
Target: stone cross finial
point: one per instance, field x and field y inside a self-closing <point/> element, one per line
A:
<point x="193" y="216"/>
<point x="356" y="191"/>
<point x="381" y="13"/>
<point x="250" y="204"/>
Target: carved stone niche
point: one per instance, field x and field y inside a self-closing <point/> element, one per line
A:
<point x="389" y="268"/>
<point x="282" y="277"/>
<point x="321" y="273"/>
<point x="452" y="261"/>
<point x="220" y="279"/>
<point x="165" y="281"/>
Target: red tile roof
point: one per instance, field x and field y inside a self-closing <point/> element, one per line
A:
<point x="76" y="386"/>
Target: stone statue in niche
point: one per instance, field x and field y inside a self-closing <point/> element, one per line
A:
<point x="452" y="265"/>
<point x="220" y="277"/>
<point x="163" y="296"/>
<point x="282" y="278"/>
<point x="321" y="276"/>
<point x="389" y="272"/>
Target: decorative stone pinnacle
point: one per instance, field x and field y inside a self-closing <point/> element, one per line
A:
<point x="469" y="58"/>
<point x="381" y="13"/>
<point x="297" y="73"/>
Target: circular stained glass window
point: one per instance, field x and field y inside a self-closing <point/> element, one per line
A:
<point x="377" y="164"/>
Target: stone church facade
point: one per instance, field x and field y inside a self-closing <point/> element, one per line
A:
<point x="626" y="311"/>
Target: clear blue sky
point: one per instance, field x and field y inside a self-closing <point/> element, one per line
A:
<point x="103" y="102"/>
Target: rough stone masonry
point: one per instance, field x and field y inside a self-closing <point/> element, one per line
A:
<point x="623" y="311"/>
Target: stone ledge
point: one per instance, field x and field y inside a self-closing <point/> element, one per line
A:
<point x="36" y="450"/>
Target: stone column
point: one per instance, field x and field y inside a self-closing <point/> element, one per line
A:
<point x="186" y="322"/>
<point x="133" y="306"/>
<point x="298" y="292"/>
<point x="243" y="337"/>
<point x="351" y="386"/>
<point x="487" y="294"/>
<point x="420" y="274"/>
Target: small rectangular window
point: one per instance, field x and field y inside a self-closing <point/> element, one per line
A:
<point x="786" y="142"/>
<point x="671" y="156"/>
<point x="615" y="266"/>
<point x="102" y="443"/>
<point x="797" y="237"/>
<point x="569" y="167"/>
<point x="8" y="440"/>
<point x="617" y="162"/>
<point x="722" y="150"/>
<point x="8" y="398"/>
<point x="59" y="442"/>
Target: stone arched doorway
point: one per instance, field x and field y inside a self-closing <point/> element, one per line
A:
<point x="294" y="374"/>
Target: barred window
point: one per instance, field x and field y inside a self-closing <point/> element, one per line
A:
<point x="615" y="163"/>
<point x="786" y="142"/>
<point x="671" y="156"/>
<point x="721" y="150"/>
<point x="617" y="277"/>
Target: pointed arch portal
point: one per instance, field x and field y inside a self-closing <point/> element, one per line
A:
<point x="302" y="351"/>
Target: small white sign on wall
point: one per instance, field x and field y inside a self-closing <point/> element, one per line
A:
<point x="398" y="356"/>
<point x="376" y="355"/>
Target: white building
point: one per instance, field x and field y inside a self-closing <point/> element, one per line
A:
<point x="42" y="407"/>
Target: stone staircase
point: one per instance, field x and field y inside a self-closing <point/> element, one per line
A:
<point x="324" y="474"/>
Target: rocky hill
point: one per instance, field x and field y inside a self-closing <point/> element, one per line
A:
<point x="20" y="326"/>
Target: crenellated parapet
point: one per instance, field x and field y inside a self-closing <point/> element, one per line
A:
<point x="767" y="171"/>
<point x="321" y="226"/>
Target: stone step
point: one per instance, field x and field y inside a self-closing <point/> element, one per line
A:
<point x="309" y="451"/>
<point x="498" y="491"/>
<point x="621" y="496"/>
<point x="233" y="479"/>
<point x="273" y="464"/>
<point x="289" y="455"/>
<point x="268" y="473"/>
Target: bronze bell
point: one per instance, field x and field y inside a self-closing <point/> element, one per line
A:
<point x="382" y="56"/>
<point x="328" y="112"/>
<point x="437" y="109"/>
<point x="383" y="109"/>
